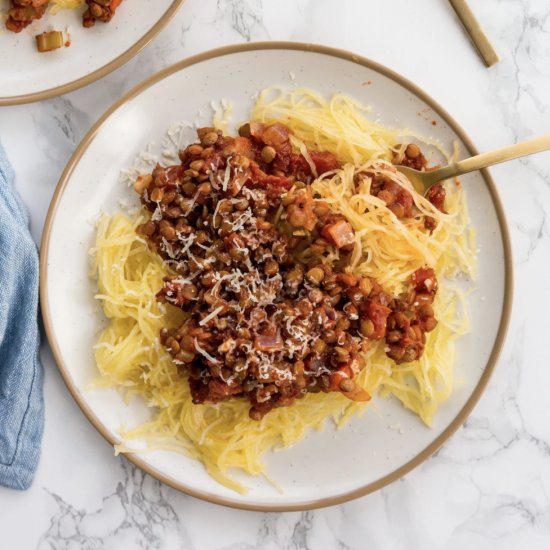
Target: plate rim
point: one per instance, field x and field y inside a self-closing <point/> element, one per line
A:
<point x="464" y="412"/>
<point x="114" y="64"/>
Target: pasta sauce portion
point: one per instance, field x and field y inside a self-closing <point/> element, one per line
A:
<point x="270" y="316"/>
<point x="23" y="12"/>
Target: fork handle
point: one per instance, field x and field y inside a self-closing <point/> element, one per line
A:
<point x="489" y="159"/>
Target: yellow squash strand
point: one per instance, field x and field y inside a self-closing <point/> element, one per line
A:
<point x="58" y="5"/>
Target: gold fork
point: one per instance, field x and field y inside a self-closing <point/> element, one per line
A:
<point x="422" y="181"/>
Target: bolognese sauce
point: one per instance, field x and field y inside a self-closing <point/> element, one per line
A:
<point x="269" y="315"/>
<point x="23" y="12"/>
<point x="99" y="10"/>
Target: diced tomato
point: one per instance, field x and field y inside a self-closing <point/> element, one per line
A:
<point x="436" y="195"/>
<point x="400" y="196"/>
<point x="283" y="160"/>
<point x="324" y="161"/>
<point x="424" y="280"/>
<point x="240" y="146"/>
<point x="257" y="129"/>
<point x="298" y="164"/>
<point x="273" y="184"/>
<point x="404" y="198"/>
<point x="276" y="184"/>
<point x="378" y="314"/>
<point x="275" y="135"/>
<point x="340" y="234"/>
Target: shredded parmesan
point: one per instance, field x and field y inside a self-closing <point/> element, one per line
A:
<point x="210" y="316"/>
<point x="227" y="174"/>
<point x="204" y="353"/>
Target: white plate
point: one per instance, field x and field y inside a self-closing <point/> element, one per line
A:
<point x="28" y="75"/>
<point x="327" y="467"/>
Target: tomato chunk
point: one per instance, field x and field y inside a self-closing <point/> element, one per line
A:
<point x="436" y="195"/>
<point x="340" y="234"/>
<point x="274" y="135"/>
<point x="324" y="161"/>
<point x="424" y="280"/>
<point x="241" y="146"/>
<point x="404" y="198"/>
<point x="378" y="314"/>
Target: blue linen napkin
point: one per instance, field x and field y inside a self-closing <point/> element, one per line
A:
<point x="21" y="400"/>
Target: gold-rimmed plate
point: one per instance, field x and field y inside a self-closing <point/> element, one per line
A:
<point x="327" y="467"/>
<point x="28" y="75"/>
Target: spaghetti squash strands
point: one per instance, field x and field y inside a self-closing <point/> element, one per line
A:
<point x="58" y="5"/>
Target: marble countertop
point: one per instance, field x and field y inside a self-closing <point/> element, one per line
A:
<point x="489" y="486"/>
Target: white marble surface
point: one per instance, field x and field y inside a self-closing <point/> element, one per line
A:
<point x="489" y="487"/>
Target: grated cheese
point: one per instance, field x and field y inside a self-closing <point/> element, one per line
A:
<point x="204" y="353"/>
<point x="210" y="316"/>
